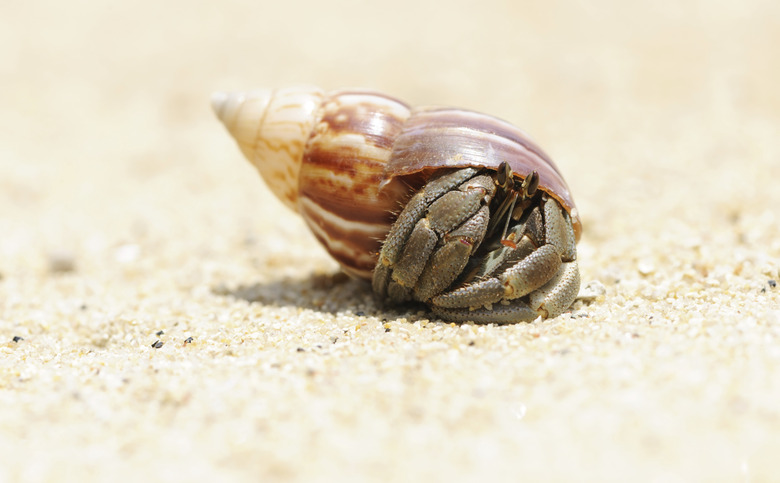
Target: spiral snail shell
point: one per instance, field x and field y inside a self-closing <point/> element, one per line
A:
<point x="347" y="161"/>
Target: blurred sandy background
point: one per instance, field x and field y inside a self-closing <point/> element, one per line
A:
<point x="128" y="216"/>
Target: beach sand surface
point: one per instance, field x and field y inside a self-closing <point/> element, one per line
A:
<point x="164" y="318"/>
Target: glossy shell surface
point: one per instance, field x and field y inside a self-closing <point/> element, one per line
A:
<point x="436" y="138"/>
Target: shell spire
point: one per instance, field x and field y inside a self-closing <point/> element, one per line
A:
<point x="324" y="156"/>
<point x="271" y="127"/>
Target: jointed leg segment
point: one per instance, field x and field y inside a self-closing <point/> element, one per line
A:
<point x="435" y="254"/>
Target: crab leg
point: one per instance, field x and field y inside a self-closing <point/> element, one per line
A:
<point x="519" y="280"/>
<point x="558" y="230"/>
<point x="448" y="262"/>
<point x="502" y="257"/>
<point x="474" y="295"/>
<point x="527" y="272"/>
<point x="412" y="260"/>
<point x="559" y="293"/>
<point x="499" y="313"/>
<point x="407" y="221"/>
<point x="530" y="273"/>
<point x="546" y="278"/>
<point x="549" y="301"/>
<point x="416" y="264"/>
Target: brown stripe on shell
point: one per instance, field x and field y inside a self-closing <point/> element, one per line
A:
<point x="376" y="116"/>
<point x="353" y="244"/>
<point x="343" y="168"/>
<point x="444" y="137"/>
<point x="338" y="186"/>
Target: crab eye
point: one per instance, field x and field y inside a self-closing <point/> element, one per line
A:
<point x="530" y="184"/>
<point x="504" y="178"/>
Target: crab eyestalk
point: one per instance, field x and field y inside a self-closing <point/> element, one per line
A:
<point x="508" y="208"/>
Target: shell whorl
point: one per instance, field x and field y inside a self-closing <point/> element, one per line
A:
<point x="449" y="137"/>
<point x="271" y="128"/>
<point x="325" y="157"/>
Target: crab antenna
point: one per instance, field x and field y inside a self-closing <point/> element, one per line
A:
<point x="509" y="217"/>
<point x="526" y="192"/>
<point x="506" y="183"/>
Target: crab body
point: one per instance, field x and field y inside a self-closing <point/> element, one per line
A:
<point x="453" y="208"/>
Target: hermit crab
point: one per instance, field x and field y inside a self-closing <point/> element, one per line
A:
<point x="449" y="207"/>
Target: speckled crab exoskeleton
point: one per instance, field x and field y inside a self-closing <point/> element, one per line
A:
<point x="435" y="253"/>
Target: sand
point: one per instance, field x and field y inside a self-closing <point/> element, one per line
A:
<point x="164" y="318"/>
